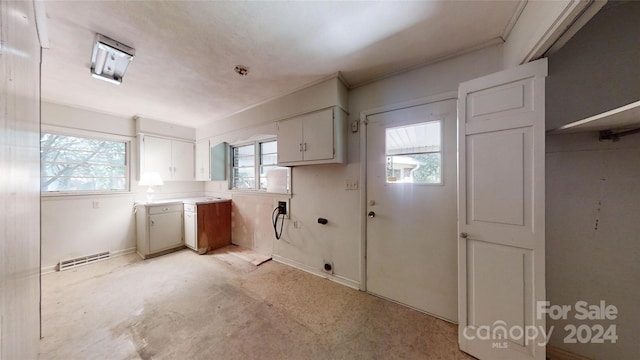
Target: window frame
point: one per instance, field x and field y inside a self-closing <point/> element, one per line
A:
<point x="232" y="184"/>
<point x="257" y="165"/>
<point x="127" y="141"/>
<point x="441" y="152"/>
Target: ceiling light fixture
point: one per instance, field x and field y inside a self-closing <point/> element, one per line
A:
<point x="241" y="70"/>
<point x="110" y="59"/>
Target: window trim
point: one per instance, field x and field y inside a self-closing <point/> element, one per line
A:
<point x="62" y="131"/>
<point x="257" y="165"/>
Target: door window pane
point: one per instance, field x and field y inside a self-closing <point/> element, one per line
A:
<point x="414" y="154"/>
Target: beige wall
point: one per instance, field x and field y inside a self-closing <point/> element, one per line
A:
<point x="592" y="187"/>
<point x="597" y="70"/>
<point x="19" y="182"/>
<point x="592" y="231"/>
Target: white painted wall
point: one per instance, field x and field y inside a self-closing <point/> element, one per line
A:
<point x="19" y="182"/>
<point x="593" y="250"/>
<point x="319" y="191"/>
<point x="71" y="226"/>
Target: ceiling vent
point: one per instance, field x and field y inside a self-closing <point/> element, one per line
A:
<point x="110" y="59"/>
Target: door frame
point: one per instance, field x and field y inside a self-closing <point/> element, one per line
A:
<point x="450" y="95"/>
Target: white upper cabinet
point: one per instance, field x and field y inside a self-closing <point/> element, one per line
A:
<point x="182" y="157"/>
<point x="172" y="159"/>
<point x="314" y="138"/>
<point x="156" y="156"/>
<point x="202" y="161"/>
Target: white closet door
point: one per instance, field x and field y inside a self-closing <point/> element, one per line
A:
<point x="501" y="198"/>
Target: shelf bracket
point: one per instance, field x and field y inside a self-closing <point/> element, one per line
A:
<point x="615" y="137"/>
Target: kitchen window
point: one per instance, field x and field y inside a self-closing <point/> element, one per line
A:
<point x="74" y="164"/>
<point x="255" y="167"/>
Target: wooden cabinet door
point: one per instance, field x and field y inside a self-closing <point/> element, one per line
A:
<point x="289" y="141"/>
<point x="182" y="156"/>
<point x="214" y="225"/>
<point x="317" y="134"/>
<point x="157" y="156"/>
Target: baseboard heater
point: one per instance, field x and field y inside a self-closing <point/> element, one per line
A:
<point x="83" y="260"/>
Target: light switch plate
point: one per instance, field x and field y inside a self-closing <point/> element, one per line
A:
<point x="354" y="126"/>
<point x="351" y="184"/>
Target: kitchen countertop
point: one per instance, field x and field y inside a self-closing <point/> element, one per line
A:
<point x="192" y="201"/>
<point x="204" y="200"/>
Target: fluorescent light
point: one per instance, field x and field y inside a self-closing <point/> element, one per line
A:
<point x="110" y="59"/>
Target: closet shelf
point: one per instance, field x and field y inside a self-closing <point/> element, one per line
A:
<point x="617" y="120"/>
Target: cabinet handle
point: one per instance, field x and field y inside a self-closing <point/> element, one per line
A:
<point x="153" y="222"/>
<point x="305" y="147"/>
<point x="300" y="148"/>
<point x="169" y="168"/>
<point x="174" y="169"/>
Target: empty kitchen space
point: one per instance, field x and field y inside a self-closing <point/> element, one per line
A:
<point x="319" y="179"/>
<point x="221" y="306"/>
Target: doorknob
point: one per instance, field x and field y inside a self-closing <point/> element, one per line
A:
<point x="464" y="235"/>
<point x="371" y="214"/>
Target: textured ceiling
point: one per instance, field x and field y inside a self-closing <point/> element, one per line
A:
<point x="186" y="50"/>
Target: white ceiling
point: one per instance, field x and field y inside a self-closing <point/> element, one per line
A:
<point x="186" y="50"/>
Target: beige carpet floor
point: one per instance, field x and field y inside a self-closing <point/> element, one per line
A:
<point x="186" y="306"/>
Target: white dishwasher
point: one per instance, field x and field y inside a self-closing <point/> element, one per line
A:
<point x="191" y="226"/>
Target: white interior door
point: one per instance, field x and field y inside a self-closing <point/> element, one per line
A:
<point x="411" y="229"/>
<point x="501" y="213"/>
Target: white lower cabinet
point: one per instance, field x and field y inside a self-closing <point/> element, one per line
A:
<point x="190" y="226"/>
<point x="159" y="228"/>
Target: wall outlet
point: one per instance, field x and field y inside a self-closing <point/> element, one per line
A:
<point x="351" y="185"/>
<point x="96" y="204"/>
<point x="276" y="203"/>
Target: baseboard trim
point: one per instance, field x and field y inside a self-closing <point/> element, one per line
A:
<point x="117" y="253"/>
<point x="48" y="269"/>
<point x="311" y="270"/>
<point x="553" y="353"/>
